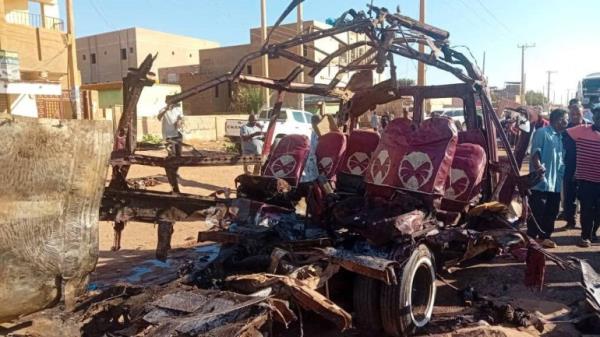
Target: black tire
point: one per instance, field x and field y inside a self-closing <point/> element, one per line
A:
<point x="366" y="299"/>
<point x="400" y="315"/>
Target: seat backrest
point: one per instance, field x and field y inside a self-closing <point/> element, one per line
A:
<point x="361" y="145"/>
<point x="426" y="164"/>
<point x="464" y="182"/>
<point x="381" y="176"/>
<point x="473" y="136"/>
<point x="288" y="159"/>
<point x="330" y="151"/>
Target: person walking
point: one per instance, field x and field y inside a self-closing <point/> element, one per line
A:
<point x="547" y="157"/>
<point x="587" y="174"/>
<point x="569" y="183"/>
<point x="171" y="125"/>
<point x="252" y="137"/>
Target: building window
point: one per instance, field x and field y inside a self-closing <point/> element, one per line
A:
<point x="217" y="91"/>
<point x="93" y="58"/>
<point x="172" y="53"/>
<point x="131" y="50"/>
<point x="249" y="69"/>
<point x="190" y="55"/>
<point x="123" y="54"/>
<point x="304" y="50"/>
<point x="105" y="52"/>
<point x="83" y="57"/>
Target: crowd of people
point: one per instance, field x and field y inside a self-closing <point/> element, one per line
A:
<point x="566" y="150"/>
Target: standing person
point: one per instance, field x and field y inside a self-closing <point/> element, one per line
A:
<point x="569" y="182"/>
<point x="252" y="135"/>
<point x="587" y="173"/>
<point x="171" y="129"/>
<point x="547" y="156"/>
<point x="536" y="119"/>
<point x="385" y="120"/>
<point x="374" y="121"/>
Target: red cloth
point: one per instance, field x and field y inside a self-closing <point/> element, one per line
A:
<point x="287" y="160"/>
<point x="330" y="149"/>
<point x="536" y="268"/>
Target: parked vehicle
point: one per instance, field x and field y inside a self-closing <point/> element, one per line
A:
<point x="457" y="115"/>
<point x="290" y="121"/>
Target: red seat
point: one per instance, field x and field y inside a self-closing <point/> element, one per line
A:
<point x="464" y="182"/>
<point x="361" y="145"/>
<point x="426" y="165"/>
<point x="381" y="176"/>
<point x="288" y="159"/>
<point x="330" y="151"/>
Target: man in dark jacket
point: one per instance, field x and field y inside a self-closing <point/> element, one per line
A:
<point x="569" y="183"/>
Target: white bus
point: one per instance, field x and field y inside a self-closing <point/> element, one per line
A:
<point x="588" y="90"/>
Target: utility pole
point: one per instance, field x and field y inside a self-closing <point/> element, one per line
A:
<point x="72" y="62"/>
<point x="549" y="72"/>
<point x="299" y="29"/>
<point x="483" y="70"/>
<point x="421" y="69"/>
<point x="523" y="48"/>
<point x="265" y="58"/>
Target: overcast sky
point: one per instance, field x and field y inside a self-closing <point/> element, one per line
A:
<point x="565" y="32"/>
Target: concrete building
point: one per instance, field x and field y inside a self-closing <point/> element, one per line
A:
<point x="510" y="92"/>
<point x="106" y="57"/>
<point x="218" y="61"/>
<point x="33" y="59"/>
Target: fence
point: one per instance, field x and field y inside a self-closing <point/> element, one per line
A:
<point x="35" y="20"/>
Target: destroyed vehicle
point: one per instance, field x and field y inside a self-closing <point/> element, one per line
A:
<point x="392" y="210"/>
<point x="386" y="213"/>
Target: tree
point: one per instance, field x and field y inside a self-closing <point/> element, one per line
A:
<point x="247" y="99"/>
<point x="406" y="82"/>
<point x="535" y="98"/>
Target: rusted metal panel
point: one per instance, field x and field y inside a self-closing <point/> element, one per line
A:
<point x="52" y="176"/>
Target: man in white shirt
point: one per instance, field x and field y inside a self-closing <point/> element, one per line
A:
<point x="171" y="129"/>
<point x="252" y="140"/>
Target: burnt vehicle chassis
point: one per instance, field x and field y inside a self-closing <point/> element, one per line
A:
<point x="267" y="246"/>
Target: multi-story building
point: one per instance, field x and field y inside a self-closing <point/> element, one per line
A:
<point x="510" y="92"/>
<point x="218" y="61"/>
<point x="33" y="59"/>
<point x="106" y="57"/>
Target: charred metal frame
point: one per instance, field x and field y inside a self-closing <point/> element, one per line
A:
<point x="386" y="35"/>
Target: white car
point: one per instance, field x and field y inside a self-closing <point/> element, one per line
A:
<point x="290" y="121"/>
<point x="456" y="114"/>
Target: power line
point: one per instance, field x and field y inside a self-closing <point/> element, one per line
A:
<point x="97" y="10"/>
<point x="494" y="16"/>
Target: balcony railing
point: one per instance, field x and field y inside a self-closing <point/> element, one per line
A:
<point x="35" y="20"/>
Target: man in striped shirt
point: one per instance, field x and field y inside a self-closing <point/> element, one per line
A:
<point x="587" y="173"/>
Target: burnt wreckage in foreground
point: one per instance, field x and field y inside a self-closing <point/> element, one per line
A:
<point x="390" y="210"/>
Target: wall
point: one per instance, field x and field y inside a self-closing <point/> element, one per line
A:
<point x="205" y="128"/>
<point x="23" y="105"/>
<point x="38" y="49"/>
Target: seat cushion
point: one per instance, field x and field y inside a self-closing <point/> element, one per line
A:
<point x="330" y="151"/>
<point x="426" y="164"/>
<point x="464" y="181"/>
<point x="288" y="159"/>
<point x="361" y="145"/>
<point x="381" y="177"/>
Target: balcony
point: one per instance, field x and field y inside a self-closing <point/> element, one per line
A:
<point x="35" y="20"/>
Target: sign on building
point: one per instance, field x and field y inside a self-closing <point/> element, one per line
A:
<point x="9" y="66"/>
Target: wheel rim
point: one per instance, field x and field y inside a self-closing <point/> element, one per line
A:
<point x="422" y="295"/>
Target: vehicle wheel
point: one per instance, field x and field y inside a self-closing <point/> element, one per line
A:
<point x="409" y="304"/>
<point x="367" y="310"/>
